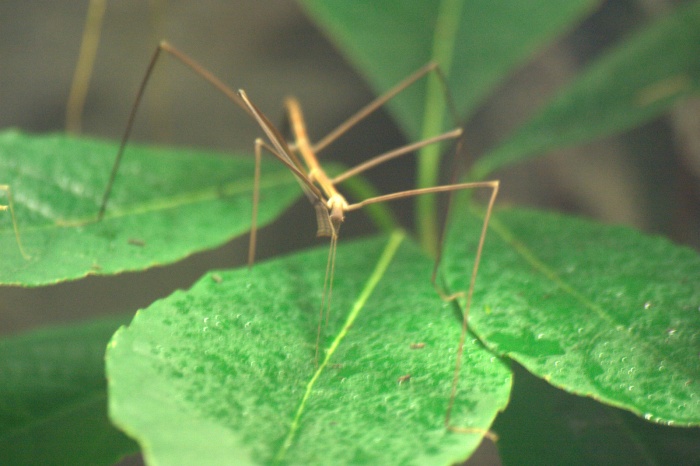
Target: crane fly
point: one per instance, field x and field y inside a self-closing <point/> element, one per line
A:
<point x="330" y="206"/>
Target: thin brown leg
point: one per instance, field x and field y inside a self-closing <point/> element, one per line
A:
<point x="300" y="177"/>
<point x="379" y="159"/>
<point x="381" y="100"/>
<point x="465" y="317"/>
<point x="327" y="295"/>
<point x="194" y="66"/>
<point x="493" y="186"/>
<point x="10" y="207"/>
<point x="252" y="243"/>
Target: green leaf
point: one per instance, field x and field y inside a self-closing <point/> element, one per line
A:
<point x="53" y="400"/>
<point x="539" y="416"/>
<point x="388" y="40"/>
<point x="224" y="372"/>
<point x="165" y="205"/>
<point x="629" y="85"/>
<point x="599" y="311"/>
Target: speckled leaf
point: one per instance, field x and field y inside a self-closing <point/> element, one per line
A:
<point x="224" y="373"/>
<point x="53" y="397"/>
<point x="166" y="205"/>
<point x="600" y="311"/>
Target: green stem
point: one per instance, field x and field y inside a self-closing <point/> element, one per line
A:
<point x="446" y="26"/>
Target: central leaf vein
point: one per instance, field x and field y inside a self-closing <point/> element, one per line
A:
<point x="377" y="274"/>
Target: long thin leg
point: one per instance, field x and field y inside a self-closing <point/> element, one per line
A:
<point x="381" y="100"/>
<point x="311" y="191"/>
<point x="465" y="314"/>
<point x="256" y="199"/>
<point x="327" y="294"/>
<point x="493" y="186"/>
<point x="407" y="149"/>
<point x="194" y="66"/>
<point x="10" y="207"/>
<point x="287" y="156"/>
<point x="420" y="191"/>
<point x="321" y="212"/>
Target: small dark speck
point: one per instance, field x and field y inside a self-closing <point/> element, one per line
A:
<point x="137" y="242"/>
<point x="404" y="378"/>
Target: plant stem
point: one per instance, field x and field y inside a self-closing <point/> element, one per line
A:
<point x="446" y="26"/>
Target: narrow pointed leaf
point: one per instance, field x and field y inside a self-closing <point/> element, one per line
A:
<point x="165" y="205"/>
<point x="599" y="311"/>
<point x="628" y="86"/>
<point x="476" y="43"/>
<point x="224" y="373"/>
<point x="53" y="397"/>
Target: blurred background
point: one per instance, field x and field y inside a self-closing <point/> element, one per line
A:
<point x="648" y="178"/>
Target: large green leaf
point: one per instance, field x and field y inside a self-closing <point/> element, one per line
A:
<point x="475" y="43"/>
<point x="224" y="373"/>
<point x="629" y="85"/>
<point x="53" y="399"/>
<point x="166" y="204"/>
<point x="600" y="311"/>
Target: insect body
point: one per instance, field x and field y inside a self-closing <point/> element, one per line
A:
<point x="300" y="157"/>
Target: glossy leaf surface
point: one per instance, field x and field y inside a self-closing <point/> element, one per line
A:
<point x="224" y="372"/>
<point x="600" y="311"/>
<point x="165" y="205"/>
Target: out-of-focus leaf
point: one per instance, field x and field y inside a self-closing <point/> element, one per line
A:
<point x="53" y="397"/>
<point x="475" y="43"/>
<point x="628" y="86"/>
